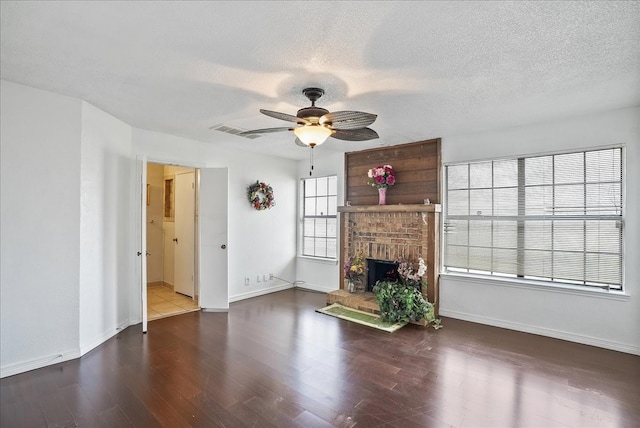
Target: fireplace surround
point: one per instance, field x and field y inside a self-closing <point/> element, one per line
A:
<point x="392" y="233"/>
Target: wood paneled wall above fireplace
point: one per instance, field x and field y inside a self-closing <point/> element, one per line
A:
<point x="417" y="169"/>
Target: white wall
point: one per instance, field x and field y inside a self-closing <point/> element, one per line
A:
<point x="596" y="318"/>
<point x="40" y="213"/>
<point x="322" y="275"/>
<point x="106" y="248"/>
<point x="259" y="242"/>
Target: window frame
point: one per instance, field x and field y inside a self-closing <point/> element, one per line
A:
<point x="526" y="279"/>
<point x="304" y="217"/>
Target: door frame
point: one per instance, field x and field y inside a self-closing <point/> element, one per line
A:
<point x="141" y="221"/>
<point x="141" y="234"/>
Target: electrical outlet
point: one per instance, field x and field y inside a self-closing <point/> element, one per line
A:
<point x="270" y="276"/>
<point x="258" y="278"/>
<point x="247" y="281"/>
<point x="264" y="277"/>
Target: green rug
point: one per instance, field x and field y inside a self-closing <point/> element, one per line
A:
<point x="359" y="317"/>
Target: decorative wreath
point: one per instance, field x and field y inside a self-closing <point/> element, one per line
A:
<point x="261" y="196"/>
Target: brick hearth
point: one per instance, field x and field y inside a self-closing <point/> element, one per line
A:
<point x="363" y="301"/>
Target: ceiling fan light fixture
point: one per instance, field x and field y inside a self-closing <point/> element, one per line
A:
<point x="313" y="135"/>
<point x="316" y="124"/>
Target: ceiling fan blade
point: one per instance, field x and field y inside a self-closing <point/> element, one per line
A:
<point x="285" y="116"/>
<point x="348" y="119"/>
<point x="355" y="134"/>
<point x="265" y="130"/>
<point x="300" y="143"/>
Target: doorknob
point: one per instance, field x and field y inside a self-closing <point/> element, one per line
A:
<point x="175" y="240"/>
<point x="148" y="253"/>
<point x="223" y="246"/>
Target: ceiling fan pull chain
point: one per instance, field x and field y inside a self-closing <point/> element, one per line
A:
<point x="311" y="162"/>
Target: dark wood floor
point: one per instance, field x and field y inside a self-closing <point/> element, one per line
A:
<point x="272" y="361"/>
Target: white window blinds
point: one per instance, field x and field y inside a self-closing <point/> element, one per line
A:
<point x="553" y="218"/>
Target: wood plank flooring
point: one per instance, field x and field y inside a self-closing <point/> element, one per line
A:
<point x="272" y="361"/>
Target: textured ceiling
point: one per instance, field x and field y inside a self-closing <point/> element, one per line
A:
<point x="427" y="69"/>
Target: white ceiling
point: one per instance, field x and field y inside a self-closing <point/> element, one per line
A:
<point x="427" y="69"/>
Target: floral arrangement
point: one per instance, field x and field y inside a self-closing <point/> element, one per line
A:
<point x="403" y="300"/>
<point x="260" y="196"/>
<point x="410" y="277"/>
<point x="382" y="176"/>
<point x="354" y="267"/>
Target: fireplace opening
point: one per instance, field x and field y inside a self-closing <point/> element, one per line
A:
<point x="379" y="270"/>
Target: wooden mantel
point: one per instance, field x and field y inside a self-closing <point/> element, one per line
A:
<point x="397" y="235"/>
<point x="411" y="208"/>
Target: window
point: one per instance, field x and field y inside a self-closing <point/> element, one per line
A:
<point x="319" y="220"/>
<point x="552" y="218"/>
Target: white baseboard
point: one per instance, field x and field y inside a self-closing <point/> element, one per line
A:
<point x="257" y="293"/>
<point x="319" y="288"/>
<point x="38" y="363"/>
<point x="281" y="287"/>
<point x="84" y="348"/>
<point x="542" y="331"/>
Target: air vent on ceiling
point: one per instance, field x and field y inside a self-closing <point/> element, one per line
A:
<point x="234" y="131"/>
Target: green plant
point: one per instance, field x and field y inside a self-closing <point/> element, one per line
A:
<point x="401" y="302"/>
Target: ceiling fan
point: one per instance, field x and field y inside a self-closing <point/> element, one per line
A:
<point x="316" y="124"/>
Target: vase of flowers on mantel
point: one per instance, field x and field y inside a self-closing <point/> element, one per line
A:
<point x="381" y="177"/>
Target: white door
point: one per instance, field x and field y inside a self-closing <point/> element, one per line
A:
<point x="141" y="170"/>
<point x="213" y="206"/>
<point x="184" y="243"/>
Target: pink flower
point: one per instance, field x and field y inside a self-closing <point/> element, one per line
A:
<point x="381" y="176"/>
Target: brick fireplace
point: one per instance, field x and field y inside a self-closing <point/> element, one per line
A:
<point x="389" y="233"/>
<point x="405" y="228"/>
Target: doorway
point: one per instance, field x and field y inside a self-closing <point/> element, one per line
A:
<point x="171" y="239"/>
<point x="212" y="216"/>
